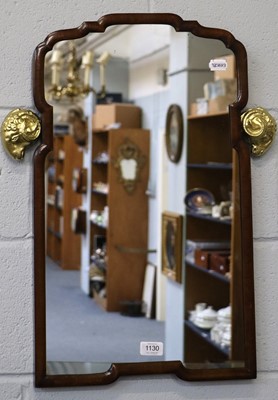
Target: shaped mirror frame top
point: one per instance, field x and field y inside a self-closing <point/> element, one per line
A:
<point x="42" y="378"/>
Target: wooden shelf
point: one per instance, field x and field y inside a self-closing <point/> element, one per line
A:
<point x="101" y="264"/>
<point x="205" y="335"/>
<point x="125" y="272"/>
<point x="208" y="272"/>
<point x="211" y="165"/>
<point x="100" y="131"/>
<point x="208" y="218"/>
<point x="220" y="114"/>
<point x="99" y="192"/>
<point x="96" y="162"/>
<point x="59" y="218"/>
<point x="98" y="225"/>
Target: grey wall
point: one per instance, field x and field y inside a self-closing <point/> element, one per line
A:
<point x="23" y="25"/>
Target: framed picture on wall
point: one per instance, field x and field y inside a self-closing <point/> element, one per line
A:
<point x="172" y="245"/>
<point x="174" y="132"/>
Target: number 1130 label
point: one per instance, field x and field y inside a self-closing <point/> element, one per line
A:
<point x="151" y="348"/>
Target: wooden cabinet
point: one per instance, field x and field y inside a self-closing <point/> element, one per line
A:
<point x="212" y="165"/>
<point x="63" y="245"/>
<point x="119" y="217"/>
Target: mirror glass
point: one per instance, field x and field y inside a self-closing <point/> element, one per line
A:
<point x="139" y="77"/>
<point x="111" y="295"/>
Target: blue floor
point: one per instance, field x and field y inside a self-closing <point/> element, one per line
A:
<point x="79" y="330"/>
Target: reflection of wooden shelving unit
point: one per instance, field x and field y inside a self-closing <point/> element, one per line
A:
<point x="214" y="274"/>
<point x="63" y="245"/>
<point x="204" y="336"/>
<point x="128" y="217"/>
<point x="212" y="165"/>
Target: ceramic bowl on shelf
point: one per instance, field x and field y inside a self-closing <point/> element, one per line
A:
<point x="224" y="315"/>
<point x="221" y="334"/>
<point x="226" y="338"/>
<point x="206" y="319"/>
<point x="199" y="307"/>
<point x="192" y="315"/>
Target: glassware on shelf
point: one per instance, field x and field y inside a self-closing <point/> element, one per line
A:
<point x="100" y="218"/>
<point x="101" y="187"/>
<point x="102" y="157"/>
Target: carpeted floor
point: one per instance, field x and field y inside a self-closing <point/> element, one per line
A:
<point x="79" y="330"/>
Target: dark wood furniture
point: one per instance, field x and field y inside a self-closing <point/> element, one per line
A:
<point x="212" y="165"/>
<point x="63" y="245"/>
<point x="127" y="230"/>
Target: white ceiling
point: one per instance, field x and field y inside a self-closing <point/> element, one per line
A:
<point x="131" y="42"/>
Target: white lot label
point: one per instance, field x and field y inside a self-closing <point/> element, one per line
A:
<point x="151" y="348"/>
<point x="218" y="65"/>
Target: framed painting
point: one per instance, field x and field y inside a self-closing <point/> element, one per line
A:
<point x="172" y="245"/>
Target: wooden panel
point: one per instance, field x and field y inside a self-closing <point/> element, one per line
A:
<point x="204" y="230"/>
<point x="203" y="288"/>
<point x="218" y="182"/>
<point x="209" y="140"/>
<point x="128" y="225"/>
<point x="98" y="201"/>
<point x="99" y="172"/>
<point x="236" y="271"/>
<point x="100" y="143"/>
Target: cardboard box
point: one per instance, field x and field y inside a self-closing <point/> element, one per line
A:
<point x="128" y="115"/>
<point x="199" y="108"/>
<point x="217" y="96"/>
<point x="230" y="72"/>
<point x="221" y="87"/>
<point x="219" y="104"/>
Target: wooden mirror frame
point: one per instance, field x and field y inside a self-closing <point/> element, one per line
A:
<point x="42" y="379"/>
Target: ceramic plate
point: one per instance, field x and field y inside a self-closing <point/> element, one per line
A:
<point x="198" y="200"/>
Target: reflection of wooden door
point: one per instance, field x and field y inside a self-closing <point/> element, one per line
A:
<point x="128" y="223"/>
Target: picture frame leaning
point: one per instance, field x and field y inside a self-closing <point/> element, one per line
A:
<point x="172" y="227"/>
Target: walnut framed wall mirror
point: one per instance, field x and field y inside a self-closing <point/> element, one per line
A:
<point x="140" y="321"/>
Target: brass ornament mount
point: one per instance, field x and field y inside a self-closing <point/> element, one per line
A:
<point x="260" y="127"/>
<point x="129" y="163"/>
<point x="20" y="128"/>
